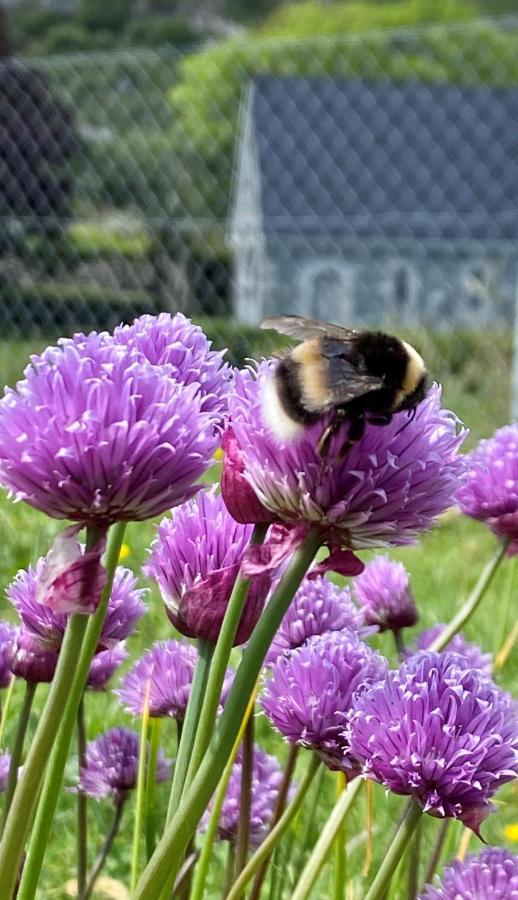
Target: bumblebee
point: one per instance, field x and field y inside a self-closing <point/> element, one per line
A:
<point x="354" y="377"/>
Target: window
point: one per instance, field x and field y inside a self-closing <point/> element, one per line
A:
<point x="327" y="291"/>
<point x="403" y="291"/>
<point x="477" y="296"/>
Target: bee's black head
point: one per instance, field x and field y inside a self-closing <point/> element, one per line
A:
<point x="413" y="398"/>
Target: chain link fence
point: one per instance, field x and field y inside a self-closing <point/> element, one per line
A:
<point x="367" y="180"/>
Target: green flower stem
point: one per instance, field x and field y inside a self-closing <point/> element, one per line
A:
<point x="263" y="853"/>
<point x="400" y="643"/>
<point x="312" y="817"/>
<point x="504" y="608"/>
<point x="183" y="825"/>
<point x="245" y="797"/>
<point x="17" y="750"/>
<point x="385" y="872"/>
<point x="79" y="666"/>
<point x="25" y="797"/>
<point x="325" y="842"/>
<point x="340" y="867"/>
<point x="104" y="851"/>
<point x="200" y="876"/>
<point x="437" y="850"/>
<point x="190" y="724"/>
<point x="219" y="665"/>
<point x="280" y="803"/>
<point x="140" y="803"/>
<point x="414" y="858"/>
<point x="7" y="706"/>
<point x="229" y="870"/>
<point x="476" y="596"/>
<point x="81" y="803"/>
<point x="150" y="806"/>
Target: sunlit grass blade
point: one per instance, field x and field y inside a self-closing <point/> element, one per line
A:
<point x="325" y="842"/>
<point x="140" y="800"/>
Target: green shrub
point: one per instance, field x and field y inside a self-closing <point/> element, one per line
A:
<point x="105" y="15"/>
<point x="90" y="240"/>
<point x="159" y="31"/>
<point x="67" y="37"/>
<point x="56" y="309"/>
<point x="30" y="22"/>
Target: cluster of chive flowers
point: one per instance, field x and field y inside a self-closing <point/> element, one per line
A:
<point x="150" y="405"/>
<point x="105" y="428"/>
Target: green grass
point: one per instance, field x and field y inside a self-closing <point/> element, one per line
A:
<point x="444" y="567"/>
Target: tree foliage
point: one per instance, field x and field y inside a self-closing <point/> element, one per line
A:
<point x="206" y="96"/>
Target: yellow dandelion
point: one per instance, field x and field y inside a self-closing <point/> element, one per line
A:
<point x="125" y="552"/>
<point x="511" y="832"/>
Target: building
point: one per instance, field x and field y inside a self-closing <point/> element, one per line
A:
<point x="376" y="202"/>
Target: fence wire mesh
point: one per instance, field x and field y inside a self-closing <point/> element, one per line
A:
<point x="366" y="179"/>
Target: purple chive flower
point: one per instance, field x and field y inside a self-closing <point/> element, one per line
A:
<point x="195" y="560"/>
<point x="438" y="730"/>
<point x="383" y="592"/>
<point x="312" y="690"/>
<point x="95" y="434"/>
<point x="5" y="762"/>
<point x="181" y="346"/>
<point x="104" y="666"/>
<point x="390" y="486"/>
<point x="7" y="633"/>
<point x="490" y="491"/>
<point x="169" y="668"/>
<point x="112" y="765"/>
<point x="266" y="781"/>
<point x="30" y="660"/>
<point x="474" y="654"/>
<point x="125" y="607"/>
<point x="493" y="874"/>
<point x="317" y="608"/>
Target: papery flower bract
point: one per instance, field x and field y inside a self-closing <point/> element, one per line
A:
<point x="96" y="435"/>
<point x="195" y="560"/>
<point x="474" y="654"/>
<point x="266" y="781"/>
<point x="312" y="690"/>
<point x="30" y="660"/>
<point x="440" y="731"/>
<point x="111" y="765"/>
<point x="490" y="490"/>
<point x="391" y="485"/>
<point x="168" y="668"/>
<point x="125" y="608"/>
<point x="383" y="592"/>
<point x="319" y="606"/>
<point x="104" y="665"/>
<point x="7" y="633"/>
<point x="240" y="497"/>
<point x="492" y="875"/>
<point x="182" y="346"/>
<point x="5" y="762"/>
<point x="71" y="578"/>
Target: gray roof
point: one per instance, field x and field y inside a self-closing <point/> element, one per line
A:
<point x="387" y="159"/>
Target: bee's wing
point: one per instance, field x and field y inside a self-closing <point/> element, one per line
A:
<point x="303" y="329"/>
<point x="345" y="382"/>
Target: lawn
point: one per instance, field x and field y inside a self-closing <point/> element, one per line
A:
<point x="444" y="567"/>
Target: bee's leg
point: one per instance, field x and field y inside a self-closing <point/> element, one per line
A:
<point x="355" y="433"/>
<point x="327" y="435"/>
